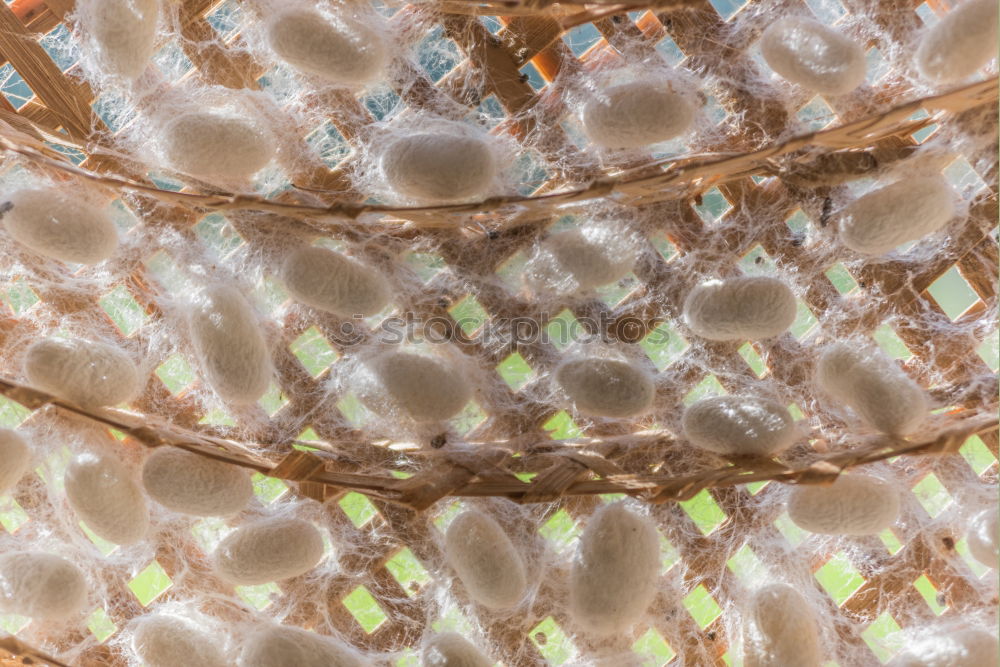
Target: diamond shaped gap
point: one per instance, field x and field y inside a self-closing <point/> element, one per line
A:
<point x="713" y="206"/>
<point x="709" y="386"/>
<point x="929" y="592"/>
<point x="12" y="515"/>
<point x="932" y="494"/>
<point x="654" y="647"/>
<point x="150" y="584"/>
<point x="260" y="597"/>
<point x="313" y="351"/>
<point x="100" y="625"/>
<point x="357" y="508"/>
<point x="757" y="262"/>
<point x="963" y="177"/>
<point x="704" y="512"/>
<point x="267" y="489"/>
<point x="469" y="418"/>
<point x="977" y="455"/>
<point x="883" y="636"/>
<point x="614" y="293"/>
<point x="551" y="641"/>
<point x="745" y="564"/>
<point x="890" y="343"/>
<point x="816" y="114"/>
<point x="702" y="606"/>
<point x="515" y="371"/>
<point x="20" y="297"/>
<point x="663" y="345"/>
<point x="123" y="310"/>
<point x="560" y="529"/>
<point x="364" y="609"/>
<point x="952" y="293"/>
<point x="562" y="427"/>
<point x="175" y="373"/>
<point x="804" y="321"/>
<point x="425" y="265"/>
<point x="469" y="315"/>
<point x="273" y="399"/>
<point x="753" y="359"/>
<point x="841" y="279"/>
<point x="564" y="329"/>
<point x="839" y="578"/>
<point x="217" y="232"/>
<point x="408" y="571"/>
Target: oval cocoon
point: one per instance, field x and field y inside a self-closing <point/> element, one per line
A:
<point x="485" y="560"/>
<point x="592" y="260"/>
<point x="606" y="387"/>
<point x="84" y="372"/>
<point x="54" y="225"/>
<point x="739" y="425"/>
<point x="960" y="647"/>
<point x="872" y="385"/>
<point x="904" y="211"/>
<point x="348" y="52"/>
<point x="40" y="585"/>
<point x="745" y="308"/>
<point x="636" y="114"/>
<point x="963" y="40"/>
<point x="268" y="550"/>
<point x="191" y="484"/>
<point x="984" y="537"/>
<point x="781" y="629"/>
<point x="103" y="493"/>
<point x="450" y="649"/>
<point x="216" y="145"/>
<point x="439" y="166"/>
<point x="613" y="580"/>
<point x="329" y="281"/>
<point x="229" y="345"/>
<point x="855" y="504"/>
<point x="14" y="459"/>
<point x="426" y="389"/>
<point x="286" y="646"/>
<point x="806" y="52"/>
<point x="161" y="640"/>
<point x="124" y="30"/>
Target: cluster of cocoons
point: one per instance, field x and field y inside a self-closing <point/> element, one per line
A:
<point x="638" y="113"/>
<point x="191" y="484"/>
<point x="107" y="497"/>
<point x="485" y="560"/>
<point x="424" y="388"/>
<point x="983" y="538"/>
<point x="124" y="33"/>
<point x="855" y="504"/>
<point x="229" y="344"/>
<point x="14" y="459"/>
<point x="282" y="646"/>
<point x="52" y="224"/>
<point x="606" y="387"/>
<point x="450" y="649"/>
<point x="743" y="308"/>
<point x="330" y="281"/>
<point x="873" y="386"/>
<point x="959" y="647"/>
<point x="905" y="211"/>
<point x="268" y="550"/>
<point x="578" y="260"/>
<point x="87" y="373"/>
<point x="739" y="425"/>
<point x="780" y="629"/>
<point x="165" y="640"/>
<point x="960" y="43"/>
<point x="813" y="55"/>
<point x="217" y="145"/>
<point x="41" y="586"/>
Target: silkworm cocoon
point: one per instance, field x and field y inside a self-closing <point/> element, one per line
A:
<point x="781" y="630"/>
<point x="961" y="647"/>
<point x="485" y="560"/>
<point x="426" y="389"/>
<point x="192" y="484"/>
<point x="450" y="649"/>
<point x="855" y="504"/>
<point x="983" y="538"/>
<point x="806" y="52"/>
<point x="329" y="281"/>
<point x="286" y="646"/>
<point x="872" y="385"/>
<point x="52" y="224"/>
<point x="636" y="114"/>
<point x="739" y="425"/>
<point x="229" y="345"/>
<point x="606" y="387"/>
<point x="268" y="550"/>
<point x="14" y="459"/>
<point x="904" y="211"/>
<point x="590" y="259"/>
<point x="613" y="580"/>
<point x="105" y="495"/>
<point x="124" y="32"/>
<point x="744" y="308"/>
<point x="216" y="145"/>
<point x="87" y="373"/>
<point x="439" y="166"/>
<point x="40" y="585"/>
<point x="347" y="53"/>
<point x="964" y="40"/>
<point x="162" y="640"/>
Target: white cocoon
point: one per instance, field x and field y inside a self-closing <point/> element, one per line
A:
<point x="329" y="281"/>
<point x="960" y="647"/>
<point x="163" y="640"/>
<point x="426" y="389"/>
<point x="124" y="32"/>
<point x="229" y="345"/>
<point x="347" y="52"/>
<point x="14" y="459"/>
<point x="40" y="585"/>
<point x="739" y="425"/>
<point x="581" y="259"/>
<point x="216" y="145"/>
<point x="440" y="166"/>
<point x="105" y="495"/>
<point x="283" y="646"/>
<point x="984" y="537"/>
<point x="855" y="504"/>
<point x="636" y="114"/>
<point x="485" y="560"/>
<point x="872" y="385"/>
<point x="87" y="373"/>
<point x="268" y="550"/>
<point x="450" y="649"/>
<point x="817" y="57"/>
<point x="963" y="40"/>
<point x="68" y="229"/>
<point x="613" y="580"/>
<point x="780" y="630"/>
<point x="191" y="484"/>
<point x="904" y="211"/>
<point x="744" y="308"/>
<point x="606" y="387"/>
